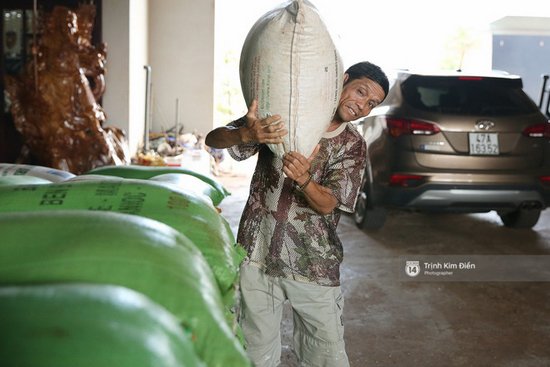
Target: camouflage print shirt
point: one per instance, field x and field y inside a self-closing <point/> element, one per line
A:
<point x="281" y="232"/>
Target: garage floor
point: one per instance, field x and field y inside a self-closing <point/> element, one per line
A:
<point x="391" y="321"/>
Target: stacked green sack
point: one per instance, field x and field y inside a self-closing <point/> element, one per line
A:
<point x="180" y="177"/>
<point x="193" y="216"/>
<point x="89" y="325"/>
<point x="22" y="180"/>
<point x="190" y="183"/>
<point x="135" y="252"/>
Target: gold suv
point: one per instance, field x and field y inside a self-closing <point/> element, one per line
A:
<point x="458" y="143"/>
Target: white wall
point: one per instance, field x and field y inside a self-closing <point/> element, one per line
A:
<point x="138" y="59"/>
<point x="125" y="32"/>
<point x="175" y="37"/>
<point x="116" y="33"/>
<point x="181" y="55"/>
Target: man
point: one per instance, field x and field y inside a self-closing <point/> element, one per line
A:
<point x="289" y="224"/>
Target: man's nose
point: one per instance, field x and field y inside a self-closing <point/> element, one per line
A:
<point x="363" y="105"/>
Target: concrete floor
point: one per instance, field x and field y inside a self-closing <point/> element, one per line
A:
<point x="391" y="321"/>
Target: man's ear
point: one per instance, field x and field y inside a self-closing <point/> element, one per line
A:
<point x="346" y="77"/>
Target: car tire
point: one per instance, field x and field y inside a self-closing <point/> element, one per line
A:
<point x="367" y="217"/>
<point x="521" y="218"/>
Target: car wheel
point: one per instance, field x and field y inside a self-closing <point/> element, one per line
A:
<point x="521" y="218"/>
<point x="366" y="217"/>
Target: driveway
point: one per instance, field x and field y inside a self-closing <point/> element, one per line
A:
<point x="391" y="320"/>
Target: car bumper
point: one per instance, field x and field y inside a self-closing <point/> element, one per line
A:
<point x="467" y="199"/>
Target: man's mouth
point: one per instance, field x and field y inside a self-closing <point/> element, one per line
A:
<point x="352" y="111"/>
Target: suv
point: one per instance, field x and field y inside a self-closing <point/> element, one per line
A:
<point x="456" y="142"/>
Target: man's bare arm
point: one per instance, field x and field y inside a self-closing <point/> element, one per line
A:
<point x="269" y="131"/>
<point x="320" y="198"/>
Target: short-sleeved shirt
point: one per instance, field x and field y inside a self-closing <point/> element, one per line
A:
<point x="283" y="235"/>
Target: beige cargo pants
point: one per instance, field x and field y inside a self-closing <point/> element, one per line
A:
<point x="317" y="316"/>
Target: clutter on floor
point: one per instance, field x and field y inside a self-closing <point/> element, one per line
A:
<point x="186" y="150"/>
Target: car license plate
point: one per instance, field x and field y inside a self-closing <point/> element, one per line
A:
<point x="483" y="144"/>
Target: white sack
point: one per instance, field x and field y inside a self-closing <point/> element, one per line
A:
<point x="290" y="64"/>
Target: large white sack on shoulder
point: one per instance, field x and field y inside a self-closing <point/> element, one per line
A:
<point x="290" y="64"/>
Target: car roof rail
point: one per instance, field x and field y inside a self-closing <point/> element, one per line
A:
<point x="545" y="92"/>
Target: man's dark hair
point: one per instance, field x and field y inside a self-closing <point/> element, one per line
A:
<point x="366" y="69"/>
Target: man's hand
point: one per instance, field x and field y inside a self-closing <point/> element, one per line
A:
<point x="269" y="130"/>
<point x="320" y="198"/>
<point x="296" y="166"/>
<point x="266" y="131"/>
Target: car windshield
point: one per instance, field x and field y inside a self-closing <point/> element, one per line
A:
<point x="467" y="96"/>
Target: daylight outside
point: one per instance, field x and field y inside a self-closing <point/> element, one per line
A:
<point x="395" y="34"/>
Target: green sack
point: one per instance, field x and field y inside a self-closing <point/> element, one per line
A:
<point x="89" y="325"/>
<point x="192" y="215"/>
<point x="190" y="184"/>
<point x="127" y="250"/>
<point x="47" y="173"/>
<point x="22" y="180"/>
<point x="147" y="172"/>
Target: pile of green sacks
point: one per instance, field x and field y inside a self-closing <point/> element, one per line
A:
<point x="125" y="265"/>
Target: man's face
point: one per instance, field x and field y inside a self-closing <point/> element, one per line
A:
<point x="358" y="98"/>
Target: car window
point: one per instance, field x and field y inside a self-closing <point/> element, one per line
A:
<point x="468" y="96"/>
